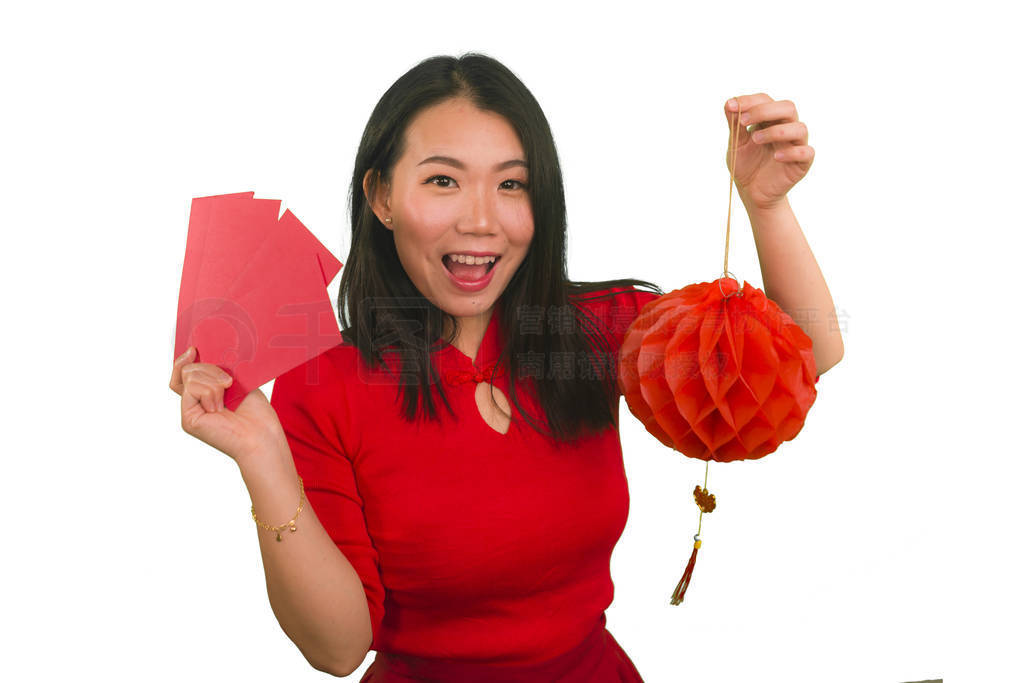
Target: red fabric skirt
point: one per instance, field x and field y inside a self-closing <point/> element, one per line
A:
<point x="598" y="659"/>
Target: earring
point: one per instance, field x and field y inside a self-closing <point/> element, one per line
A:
<point x="388" y="219"/>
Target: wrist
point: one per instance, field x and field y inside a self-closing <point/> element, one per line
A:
<point x="270" y="460"/>
<point x="763" y="207"/>
<point x="277" y="494"/>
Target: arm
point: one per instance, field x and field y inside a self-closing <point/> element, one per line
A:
<point x="793" y="279"/>
<point x="315" y="593"/>
<point x="765" y="162"/>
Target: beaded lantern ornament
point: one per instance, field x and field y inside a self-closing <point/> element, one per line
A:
<point x="717" y="372"/>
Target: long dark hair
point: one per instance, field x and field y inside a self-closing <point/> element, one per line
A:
<point x="388" y="313"/>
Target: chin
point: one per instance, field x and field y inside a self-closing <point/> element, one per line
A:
<point x="469" y="306"/>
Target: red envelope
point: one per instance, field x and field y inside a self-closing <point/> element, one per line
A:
<point x="253" y="297"/>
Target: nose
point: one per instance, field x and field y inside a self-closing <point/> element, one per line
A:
<point x="478" y="215"/>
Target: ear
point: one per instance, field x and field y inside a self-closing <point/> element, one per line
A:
<point x="380" y="202"/>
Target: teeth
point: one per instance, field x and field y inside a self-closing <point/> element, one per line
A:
<point x="472" y="260"/>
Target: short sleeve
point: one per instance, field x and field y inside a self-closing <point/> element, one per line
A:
<point x="615" y="310"/>
<point x="314" y="412"/>
<point x="625" y="307"/>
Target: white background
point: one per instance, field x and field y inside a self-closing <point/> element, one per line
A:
<point x="880" y="545"/>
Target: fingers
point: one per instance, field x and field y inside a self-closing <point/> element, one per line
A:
<point x="179" y="362"/>
<point x="202" y="383"/>
<point x="207" y="391"/>
<point x="201" y="392"/>
<point x="782" y="111"/>
<point x="759" y="108"/>
<point x="747" y="102"/>
<point x="804" y="153"/>
<point x="795" y="133"/>
<point x="766" y="120"/>
<point x="743" y="104"/>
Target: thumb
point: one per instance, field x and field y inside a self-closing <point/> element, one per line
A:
<point x="732" y="116"/>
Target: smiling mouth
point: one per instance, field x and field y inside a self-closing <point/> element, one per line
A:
<point x="467" y="272"/>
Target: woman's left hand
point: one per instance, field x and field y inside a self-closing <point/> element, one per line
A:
<point x="773" y="156"/>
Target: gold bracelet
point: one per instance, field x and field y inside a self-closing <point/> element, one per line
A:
<point x="290" y="523"/>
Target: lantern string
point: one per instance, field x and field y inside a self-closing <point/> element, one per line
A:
<point x="684" y="583"/>
<point x="701" y="517"/>
<point x="701" y="496"/>
<point x="728" y="217"/>
<point x="725" y="268"/>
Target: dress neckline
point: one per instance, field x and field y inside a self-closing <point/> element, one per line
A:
<point x="485" y="355"/>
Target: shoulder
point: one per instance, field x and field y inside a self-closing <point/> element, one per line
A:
<point x="345" y="364"/>
<point x="321" y="368"/>
<point x="613" y="308"/>
<point x="337" y="373"/>
<point x="613" y="304"/>
<point x="622" y="295"/>
<point x="325" y="398"/>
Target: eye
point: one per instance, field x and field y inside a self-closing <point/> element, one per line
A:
<point x="447" y="182"/>
<point x="442" y="179"/>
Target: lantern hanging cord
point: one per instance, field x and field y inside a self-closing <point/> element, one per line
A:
<point x="701" y="517"/>
<point x="725" y="267"/>
<point x="728" y="217"/>
<point x="705" y="499"/>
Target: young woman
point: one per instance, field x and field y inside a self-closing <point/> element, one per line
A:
<point x="455" y="461"/>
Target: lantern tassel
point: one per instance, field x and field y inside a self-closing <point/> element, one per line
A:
<point x="706" y="502"/>
<point x="684" y="583"/>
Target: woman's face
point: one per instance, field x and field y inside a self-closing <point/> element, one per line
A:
<point x="459" y="187"/>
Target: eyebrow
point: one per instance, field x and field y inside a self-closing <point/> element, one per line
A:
<point x="461" y="166"/>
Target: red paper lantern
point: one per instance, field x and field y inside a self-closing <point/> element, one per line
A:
<point x="718" y="373"/>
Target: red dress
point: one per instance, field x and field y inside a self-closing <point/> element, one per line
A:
<point x="484" y="556"/>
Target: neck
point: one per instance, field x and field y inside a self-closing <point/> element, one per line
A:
<point x="470" y="333"/>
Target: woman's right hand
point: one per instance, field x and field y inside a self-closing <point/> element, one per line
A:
<point x="252" y="427"/>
